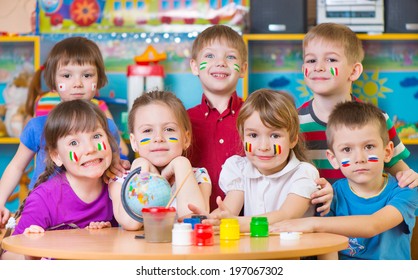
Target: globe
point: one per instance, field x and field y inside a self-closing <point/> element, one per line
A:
<point x="142" y="190"/>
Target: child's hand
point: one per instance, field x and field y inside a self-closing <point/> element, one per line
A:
<point x="99" y="225"/>
<point x="118" y="168"/>
<point x="407" y="178"/>
<point x="34" y="229"/>
<point x="295" y="225"/>
<point x="4" y="216"/>
<point x="323" y="196"/>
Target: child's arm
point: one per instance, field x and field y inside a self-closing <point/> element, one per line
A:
<point x="405" y="175"/>
<point x="122" y="145"/>
<point x="11" y="177"/>
<point x="323" y="196"/>
<point x="359" y="226"/>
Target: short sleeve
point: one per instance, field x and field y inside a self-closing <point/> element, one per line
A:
<point x="304" y="180"/>
<point x="231" y="177"/>
<point x="406" y="201"/>
<point x="202" y="175"/>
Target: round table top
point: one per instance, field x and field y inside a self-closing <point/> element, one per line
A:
<point x="116" y="243"/>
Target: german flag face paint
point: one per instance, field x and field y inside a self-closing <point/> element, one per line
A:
<point x="145" y="141"/>
<point x="372" y="158"/>
<point x="203" y="65"/>
<point x="345" y="162"/>
<point x="277" y="149"/>
<point x="101" y="146"/>
<point x="73" y="157"/>
<point x="248" y="147"/>
<point x="334" y="71"/>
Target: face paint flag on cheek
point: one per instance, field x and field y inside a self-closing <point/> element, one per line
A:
<point x="334" y="71"/>
<point x="93" y="86"/>
<point x="345" y="162"/>
<point x="373" y="158"/>
<point x="73" y="156"/>
<point x="145" y="141"/>
<point x="306" y="72"/>
<point x="248" y="147"/>
<point x="277" y="149"/>
<point x="61" y="87"/>
<point x="101" y="146"/>
<point x="173" y="140"/>
<point x="237" y="68"/>
<point x="203" y="65"/>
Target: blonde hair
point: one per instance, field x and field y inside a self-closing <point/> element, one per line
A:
<point x="354" y="114"/>
<point x="166" y="98"/>
<point x="276" y="109"/>
<point x="218" y="33"/>
<point x="337" y="34"/>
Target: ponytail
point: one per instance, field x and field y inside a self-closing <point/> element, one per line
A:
<point x="34" y="91"/>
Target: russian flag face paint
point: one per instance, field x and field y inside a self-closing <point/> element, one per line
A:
<point x="61" y="87"/>
<point x="101" y="146"/>
<point x="237" y="68"/>
<point x="145" y="141"/>
<point x="173" y="140"/>
<point x="73" y="156"/>
<point x="248" y="147"/>
<point x="334" y="71"/>
<point x="203" y="65"/>
<point x="345" y="162"/>
<point x="277" y="149"/>
<point x="372" y="158"/>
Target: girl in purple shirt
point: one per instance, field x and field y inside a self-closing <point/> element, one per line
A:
<point x="79" y="150"/>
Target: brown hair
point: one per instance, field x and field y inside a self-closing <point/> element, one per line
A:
<point x="354" y="114"/>
<point x="74" y="50"/>
<point x="166" y="98"/>
<point x="217" y="33"/>
<point x="66" y="118"/>
<point x="277" y="109"/>
<point x="337" y="34"/>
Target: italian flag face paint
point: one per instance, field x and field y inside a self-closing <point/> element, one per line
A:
<point x="373" y="158"/>
<point x="101" y="146"/>
<point x="61" y="87"/>
<point x="203" y="65"/>
<point x="173" y="140"/>
<point x="145" y="141"/>
<point x="277" y="149"/>
<point x="248" y="147"/>
<point x="73" y="156"/>
<point x="345" y="162"/>
<point x="334" y="71"/>
<point x="237" y="68"/>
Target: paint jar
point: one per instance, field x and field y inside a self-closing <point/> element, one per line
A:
<point x="229" y="229"/>
<point x="182" y="234"/>
<point x="200" y="217"/>
<point x="203" y="235"/>
<point x="259" y="227"/>
<point x="158" y="223"/>
<point x="192" y="221"/>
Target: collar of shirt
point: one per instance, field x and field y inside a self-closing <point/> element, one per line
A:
<point x="233" y="106"/>
<point x="251" y="172"/>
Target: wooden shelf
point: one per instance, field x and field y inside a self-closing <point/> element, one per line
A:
<point x="9" y="140"/>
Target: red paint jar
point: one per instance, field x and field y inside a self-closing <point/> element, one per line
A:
<point x="203" y="235"/>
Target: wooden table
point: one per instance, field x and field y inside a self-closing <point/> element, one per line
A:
<point x="115" y="243"/>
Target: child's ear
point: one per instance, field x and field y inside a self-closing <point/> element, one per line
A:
<point x="357" y="70"/>
<point x="188" y="140"/>
<point x="294" y="142"/>
<point x="56" y="158"/>
<point x="244" y="68"/>
<point x="389" y="150"/>
<point x="194" y="67"/>
<point x="332" y="159"/>
<point x="133" y="142"/>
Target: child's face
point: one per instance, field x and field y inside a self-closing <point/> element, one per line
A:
<point x="76" y="81"/>
<point x="326" y="69"/>
<point x="157" y="135"/>
<point x="360" y="154"/>
<point x="84" y="154"/>
<point x="267" y="148"/>
<point x="219" y="68"/>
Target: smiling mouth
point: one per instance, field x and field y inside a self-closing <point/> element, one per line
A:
<point x="219" y="75"/>
<point x="93" y="162"/>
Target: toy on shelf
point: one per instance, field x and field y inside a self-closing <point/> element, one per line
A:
<point x="146" y="74"/>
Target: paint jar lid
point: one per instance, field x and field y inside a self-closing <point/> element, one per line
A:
<point x="159" y="209"/>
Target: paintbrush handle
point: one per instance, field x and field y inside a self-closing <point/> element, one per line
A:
<point x="178" y="188"/>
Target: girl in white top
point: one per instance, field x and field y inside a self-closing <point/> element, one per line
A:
<point x="273" y="179"/>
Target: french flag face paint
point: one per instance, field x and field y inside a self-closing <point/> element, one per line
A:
<point x="173" y="140"/>
<point x="334" y="71"/>
<point x="203" y="65"/>
<point x="345" y="162"/>
<point x="277" y="149"/>
<point x="145" y="141"/>
<point x="73" y="156"/>
<point x="61" y="87"/>
<point x="248" y="147"/>
<point x="101" y="146"/>
<point x="372" y="158"/>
